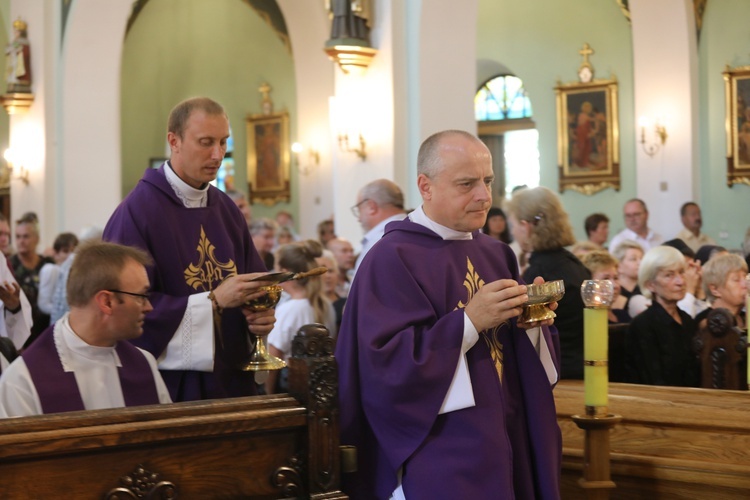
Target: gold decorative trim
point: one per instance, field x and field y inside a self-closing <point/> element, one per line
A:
<point x="597" y="99"/>
<point x="268" y="156"/>
<point x="351" y="57"/>
<point x="589" y="189"/>
<point x="595" y="362"/>
<point x="17" y="103"/>
<point x="738" y="166"/>
<point x="596" y="411"/>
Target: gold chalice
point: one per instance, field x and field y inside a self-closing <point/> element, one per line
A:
<point x="260" y="358"/>
<point x="540" y="296"/>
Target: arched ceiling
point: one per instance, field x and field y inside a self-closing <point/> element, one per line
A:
<point x="268" y="10"/>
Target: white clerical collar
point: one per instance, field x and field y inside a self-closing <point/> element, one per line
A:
<point x="69" y="343"/>
<point x="446" y="233"/>
<point x="190" y="196"/>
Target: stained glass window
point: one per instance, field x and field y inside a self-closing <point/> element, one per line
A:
<point x="502" y="97"/>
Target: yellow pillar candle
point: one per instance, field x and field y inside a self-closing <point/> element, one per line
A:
<point x="595" y="355"/>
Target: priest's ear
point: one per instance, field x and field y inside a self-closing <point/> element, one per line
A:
<point x="105" y="300"/>
<point x="424" y="184"/>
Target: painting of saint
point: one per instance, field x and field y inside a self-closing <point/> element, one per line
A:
<point x="587" y="134"/>
<point x="268" y="149"/>
<point x="268" y="158"/>
<point x="743" y="122"/>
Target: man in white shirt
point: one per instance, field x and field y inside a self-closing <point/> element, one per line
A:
<point x="690" y="213"/>
<point x="378" y="203"/>
<point x="84" y="362"/>
<point x="636" y="227"/>
<point x="343" y="251"/>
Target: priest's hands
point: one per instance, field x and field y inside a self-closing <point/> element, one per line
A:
<point x="500" y="301"/>
<point x="236" y="290"/>
<point x="496" y="303"/>
<point x="10" y="294"/>
<point x="260" y="323"/>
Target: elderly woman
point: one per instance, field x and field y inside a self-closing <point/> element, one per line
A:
<point x="541" y="226"/>
<point x="725" y="285"/>
<point x="659" y="349"/>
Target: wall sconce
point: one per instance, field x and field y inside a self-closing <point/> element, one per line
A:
<point x="344" y="146"/>
<point x="12" y="162"/>
<point x="660" y="131"/>
<point x="313" y="158"/>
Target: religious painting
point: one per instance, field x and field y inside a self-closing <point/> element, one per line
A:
<point x="737" y="86"/>
<point x="268" y="158"/>
<point x="588" y="138"/>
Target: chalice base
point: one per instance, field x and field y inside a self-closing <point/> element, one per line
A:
<point x="261" y="359"/>
<point x="536" y="312"/>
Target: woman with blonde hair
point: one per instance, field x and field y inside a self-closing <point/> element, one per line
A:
<point x="659" y="349"/>
<point x="604" y="267"/>
<point x="629" y="255"/>
<point x="725" y="284"/>
<point x="541" y="226"/>
<point x="305" y="303"/>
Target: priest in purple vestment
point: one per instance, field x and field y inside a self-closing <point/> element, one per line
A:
<point x="442" y="392"/>
<point x="200" y="330"/>
<point x="83" y="361"/>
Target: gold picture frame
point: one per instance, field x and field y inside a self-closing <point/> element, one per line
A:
<point x="588" y="136"/>
<point x="737" y="98"/>
<point x="268" y="158"/>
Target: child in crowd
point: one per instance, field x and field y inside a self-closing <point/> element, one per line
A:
<point x="64" y="245"/>
<point x="306" y="303"/>
<point x="604" y="267"/>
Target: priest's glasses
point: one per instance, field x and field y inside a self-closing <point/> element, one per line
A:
<point x="260" y="358"/>
<point x="540" y="296"/>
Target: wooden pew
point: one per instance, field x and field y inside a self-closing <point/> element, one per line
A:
<point x="722" y="349"/>
<point x="672" y="442"/>
<point x="263" y="447"/>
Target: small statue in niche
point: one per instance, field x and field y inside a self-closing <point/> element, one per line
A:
<point x="18" y="60"/>
<point x="350" y="19"/>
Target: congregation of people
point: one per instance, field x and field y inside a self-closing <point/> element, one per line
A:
<point x="156" y="309"/>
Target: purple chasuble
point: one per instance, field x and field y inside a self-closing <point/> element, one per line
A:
<point x="58" y="390"/>
<point x="397" y="350"/>
<point x="194" y="249"/>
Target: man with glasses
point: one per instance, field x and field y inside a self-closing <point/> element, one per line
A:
<point x="378" y="203"/>
<point x="84" y="362"/>
<point x="636" y="227"/>
<point x="201" y="330"/>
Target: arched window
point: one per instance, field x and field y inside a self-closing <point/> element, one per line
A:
<point x="225" y="176"/>
<point x="502" y="97"/>
<point x="503" y="111"/>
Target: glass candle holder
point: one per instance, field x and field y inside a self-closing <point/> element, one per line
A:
<point x="597" y="295"/>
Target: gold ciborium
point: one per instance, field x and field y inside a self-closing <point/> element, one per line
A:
<point x="540" y="296"/>
<point x="260" y="358"/>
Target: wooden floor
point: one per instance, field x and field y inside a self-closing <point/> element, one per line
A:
<point x="671" y="443"/>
